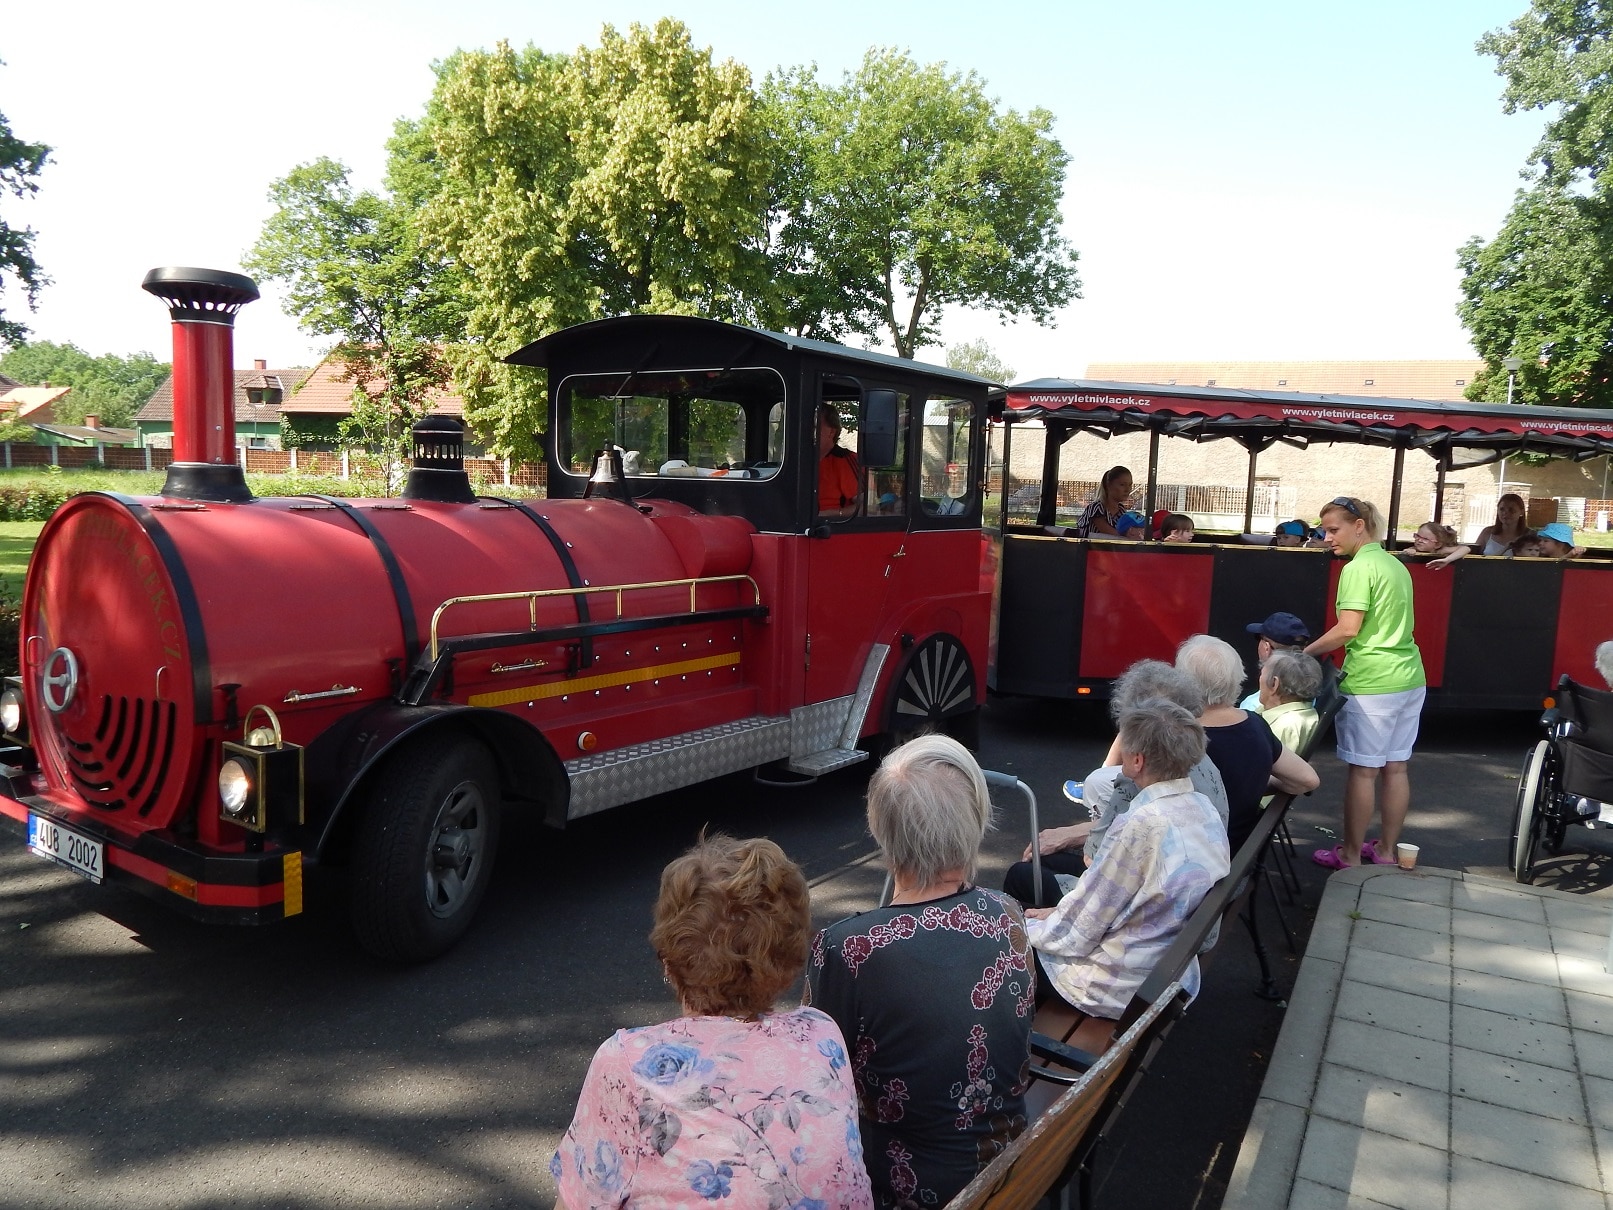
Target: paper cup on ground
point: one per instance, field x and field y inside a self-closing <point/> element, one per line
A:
<point x="1407" y="856"/>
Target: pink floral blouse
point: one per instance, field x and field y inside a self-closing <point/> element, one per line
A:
<point x="746" y="1115"/>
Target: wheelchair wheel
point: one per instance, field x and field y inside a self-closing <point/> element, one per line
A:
<point x="1534" y="787"/>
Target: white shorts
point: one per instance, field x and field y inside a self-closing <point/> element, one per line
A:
<point x="1373" y="729"/>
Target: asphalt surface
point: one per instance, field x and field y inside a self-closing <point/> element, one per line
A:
<point x="149" y="1061"/>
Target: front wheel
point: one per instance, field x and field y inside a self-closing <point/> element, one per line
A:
<point x="1534" y="784"/>
<point x="934" y="690"/>
<point x="425" y="847"/>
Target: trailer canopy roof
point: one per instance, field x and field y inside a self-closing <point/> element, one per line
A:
<point x="1258" y="419"/>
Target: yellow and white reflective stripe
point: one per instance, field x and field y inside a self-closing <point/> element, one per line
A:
<point x="607" y="680"/>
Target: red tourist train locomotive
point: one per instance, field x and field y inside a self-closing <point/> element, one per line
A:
<point x="217" y="688"/>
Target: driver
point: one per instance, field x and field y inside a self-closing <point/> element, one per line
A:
<point x="840" y="475"/>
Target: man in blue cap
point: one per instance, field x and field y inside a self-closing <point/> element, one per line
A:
<point x="1279" y="631"/>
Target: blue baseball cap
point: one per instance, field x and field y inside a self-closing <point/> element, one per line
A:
<point x="1294" y="529"/>
<point x="1284" y="629"/>
<point x="1557" y="532"/>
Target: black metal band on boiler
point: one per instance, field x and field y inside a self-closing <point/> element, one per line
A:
<point x="201" y="667"/>
<point x="567" y="564"/>
<point x="394" y="574"/>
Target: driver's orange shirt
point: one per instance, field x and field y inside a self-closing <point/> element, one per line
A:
<point x="839" y="480"/>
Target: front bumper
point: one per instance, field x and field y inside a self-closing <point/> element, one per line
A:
<point x="224" y="888"/>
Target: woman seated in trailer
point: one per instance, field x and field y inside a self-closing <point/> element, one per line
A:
<point x="1498" y="537"/>
<point x="1108" y="792"/>
<point x="1161" y="858"/>
<point x="1102" y="518"/>
<point x="732" y="1102"/>
<point x="1253" y="761"/>
<point x="935" y="991"/>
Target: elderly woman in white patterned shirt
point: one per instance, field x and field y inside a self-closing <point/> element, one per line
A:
<point x="1156" y="865"/>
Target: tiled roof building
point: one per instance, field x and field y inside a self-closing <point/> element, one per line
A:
<point x="259" y="395"/>
<point x="1386" y="379"/>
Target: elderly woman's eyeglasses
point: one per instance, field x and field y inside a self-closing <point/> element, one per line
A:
<point x="1348" y="504"/>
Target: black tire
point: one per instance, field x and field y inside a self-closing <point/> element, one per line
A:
<point x="934" y="691"/>
<point x="425" y="847"/>
<point x="1534" y="785"/>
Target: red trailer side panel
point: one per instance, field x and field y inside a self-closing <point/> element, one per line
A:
<point x="1431" y="609"/>
<point x="1584" y="619"/>
<point x="1139" y="606"/>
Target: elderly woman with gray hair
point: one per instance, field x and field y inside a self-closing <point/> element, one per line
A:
<point x="1067" y="852"/>
<point x="1253" y="761"/>
<point x="1161" y="858"/>
<point x="935" y="991"/>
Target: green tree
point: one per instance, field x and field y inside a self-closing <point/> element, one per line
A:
<point x="904" y="190"/>
<point x="20" y="163"/>
<point x="1542" y="289"/>
<point x="355" y="268"/>
<point x="110" y="387"/>
<point x="626" y="177"/>
<point x="978" y="357"/>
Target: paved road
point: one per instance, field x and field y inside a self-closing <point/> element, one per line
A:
<point x="147" y="1061"/>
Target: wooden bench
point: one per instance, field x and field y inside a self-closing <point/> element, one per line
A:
<point x="1050" y="1160"/>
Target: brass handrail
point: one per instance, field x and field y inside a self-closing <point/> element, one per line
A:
<point x="532" y="596"/>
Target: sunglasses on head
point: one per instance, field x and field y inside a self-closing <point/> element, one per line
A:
<point x="1348" y="505"/>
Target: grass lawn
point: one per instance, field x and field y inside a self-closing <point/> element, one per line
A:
<point x="17" y="540"/>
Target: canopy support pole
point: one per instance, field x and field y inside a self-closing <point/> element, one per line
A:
<point x="1151" y="500"/>
<point x="1008" y="462"/>
<point x="1047" y="513"/>
<point x="1249" y="494"/>
<point x="1439" y="490"/>
<point x="1394" y="493"/>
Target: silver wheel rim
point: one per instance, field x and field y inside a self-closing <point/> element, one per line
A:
<point x="1523" y="843"/>
<point x="458" y="845"/>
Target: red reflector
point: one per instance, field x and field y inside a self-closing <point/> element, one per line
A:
<point x="180" y="885"/>
<point x="1549" y="703"/>
<point x="1082" y="691"/>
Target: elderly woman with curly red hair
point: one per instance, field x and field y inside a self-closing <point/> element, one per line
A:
<point x="733" y="1102"/>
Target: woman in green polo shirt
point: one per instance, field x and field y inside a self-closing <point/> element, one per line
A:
<point x="1383" y="682"/>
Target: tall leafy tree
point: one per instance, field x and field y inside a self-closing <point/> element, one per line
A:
<point x="20" y="162"/>
<point x="978" y="357"/>
<point x="905" y="189"/>
<point x="626" y="177"/>
<point x="355" y="269"/>
<point x="1542" y="289"/>
<point x="109" y="387"/>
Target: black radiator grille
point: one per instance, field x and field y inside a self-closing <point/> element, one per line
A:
<point x="124" y="762"/>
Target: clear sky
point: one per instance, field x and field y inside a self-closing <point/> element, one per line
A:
<point x="1256" y="179"/>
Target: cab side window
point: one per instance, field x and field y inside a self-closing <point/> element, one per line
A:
<point x="949" y="478"/>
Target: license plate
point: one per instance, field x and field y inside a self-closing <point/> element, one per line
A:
<point x="66" y="847"/>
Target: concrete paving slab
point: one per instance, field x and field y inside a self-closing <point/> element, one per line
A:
<point x="1308" y="1195"/>
<point x="1547" y="1091"/>
<point x="1580" y="915"/>
<point x="1558" y="1150"/>
<point x="1588" y="1012"/>
<point x="1431" y="979"/>
<point x="1513" y="996"/>
<point x="1595" y="1057"/>
<point x="1497" y="899"/>
<point x="1405" y="942"/>
<point x="1584" y="974"/>
<point x="1590" y="946"/>
<point x="1424" y="886"/>
<point x="1513" y="1037"/>
<point x="1275" y="1135"/>
<point x="1504" y="930"/>
<point x="1599" y="1098"/>
<point x="1387" y="1170"/>
<point x="1410" y="913"/>
<point x="1475" y="1183"/>
<point x="1386" y="1008"/>
<point x="1405" y="1111"/>
<point x="1513" y="961"/>
<point x="1393" y="1056"/>
<point x="1291" y="1075"/>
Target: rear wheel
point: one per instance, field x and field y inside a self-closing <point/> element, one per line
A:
<point x="934" y="691"/>
<point x="1534" y="784"/>
<point x="424" y="850"/>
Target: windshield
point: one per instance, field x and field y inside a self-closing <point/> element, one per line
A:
<point x="686" y="422"/>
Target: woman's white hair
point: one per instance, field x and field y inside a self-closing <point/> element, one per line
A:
<point x="1604" y="662"/>
<point x="1298" y="676"/>
<point x="928" y="809"/>
<point x="1167" y="737"/>
<point x="1214" y="665"/>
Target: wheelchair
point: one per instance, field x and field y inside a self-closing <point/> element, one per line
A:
<point x="1567" y="779"/>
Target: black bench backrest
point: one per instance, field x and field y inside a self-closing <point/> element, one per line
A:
<point x="1044" y="1156"/>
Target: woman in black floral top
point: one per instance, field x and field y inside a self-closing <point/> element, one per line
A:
<point x="935" y="992"/>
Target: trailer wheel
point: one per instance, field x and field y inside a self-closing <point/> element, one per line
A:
<point x="1534" y="784"/>
<point x="424" y="850"/>
<point x="934" y="691"/>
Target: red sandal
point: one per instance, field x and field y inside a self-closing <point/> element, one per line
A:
<point x="1370" y="854"/>
<point x="1332" y="858"/>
